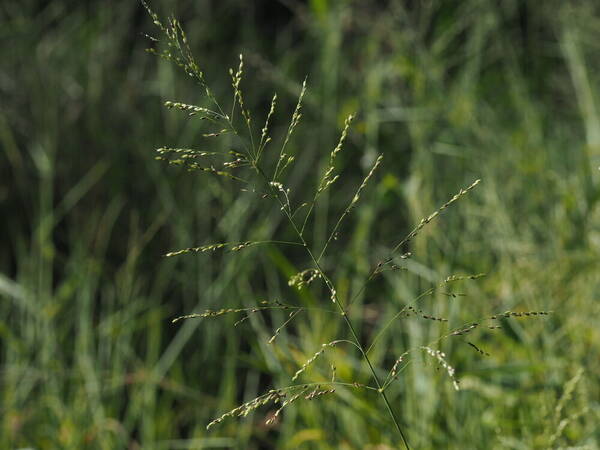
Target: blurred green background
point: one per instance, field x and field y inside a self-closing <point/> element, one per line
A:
<point x="449" y="91"/>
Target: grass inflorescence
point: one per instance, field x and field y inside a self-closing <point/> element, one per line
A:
<point x="258" y="170"/>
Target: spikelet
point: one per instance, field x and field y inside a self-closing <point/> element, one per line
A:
<point x="243" y="410"/>
<point x="397" y="363"/>
<point x="433" y="215"/>
<point x="453" y="278"/>
<point x="441" y="358"/>
<point x="296" y="116"/>
<point x="332" y="290"/>
<point x="236" y="79"/>
<point x="278" y="330"/>
<point x="381" y="266"/>
<point x="202" y="249"/>
<point x="327" y="179"/>
<point x="193" y="166"/>
<point x="313" y="358"/>
<point x="287" y="402"/>
<point x="465" y="330"/>
<point x="215" y="313"/>
<point x="234" y="247"/>
<point x="184" y="153"/>
<point x="193" y="110"/>
<point x="420" y="313"/>
<point x="478" y="350"/>
<point x="316" y="393"/>
<point x="366" y="181"/>
<point x="238" y="162"/>
<point x="508" y="314"/>
<point x="453" y="294"/>
<point x="211" y="169"/>
<point x="264" y="138"/>
<point x="266" y="305"/>
<point x="286" y="199"/>
<point x="286" y="160"/>
<point x="304" y="278"/>
<point x="216" y="134"/>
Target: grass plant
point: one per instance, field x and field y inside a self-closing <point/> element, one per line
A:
<point x="249" y="165"/>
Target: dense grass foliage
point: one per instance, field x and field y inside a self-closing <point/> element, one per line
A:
<point x="448" y="91"/>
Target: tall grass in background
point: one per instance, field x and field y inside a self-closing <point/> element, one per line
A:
<point x="449" y="92"/>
